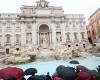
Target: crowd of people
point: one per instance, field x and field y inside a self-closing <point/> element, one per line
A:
<point x="61" y="73"/>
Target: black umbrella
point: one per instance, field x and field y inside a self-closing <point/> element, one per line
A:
<point x="66" y="73"/>
<point x="59" y="69"/>
<point x="37" y="77"/>
<point x="74" y="62"/>
<point x="30" y="71"/>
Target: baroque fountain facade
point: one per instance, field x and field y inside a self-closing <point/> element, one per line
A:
<point x="41" y="28"/>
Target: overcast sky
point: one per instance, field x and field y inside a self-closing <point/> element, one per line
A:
<point x="86" y="7"/>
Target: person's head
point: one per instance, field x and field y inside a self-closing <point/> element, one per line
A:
<point x="80" y="70"/>
<point x="47" y="73"/>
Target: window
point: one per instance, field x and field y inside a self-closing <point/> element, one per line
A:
<point x="82" y="34"/>
<point x="8" y="38"/>
<point x="29" y="38"/>
<point x="18" y="40"/>
<point x="58" y="36"/>
<point x="75" y="35"/>
<point x="67" y="36"/>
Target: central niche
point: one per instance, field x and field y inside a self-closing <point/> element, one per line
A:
<point x="44" y="37"/>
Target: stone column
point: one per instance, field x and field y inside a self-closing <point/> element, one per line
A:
<point x="63" y="32"/>
<point x="38" y="38"/>
<point x="53" y="35"/>
<point x="3" y="36"/>
<point x="23" y="34"/>
<point x="34" y="34"/>
<point x="50" y="34"/>
<point x="13" y="36"/>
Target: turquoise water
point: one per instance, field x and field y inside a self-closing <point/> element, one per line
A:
<point x="43" y="67"/>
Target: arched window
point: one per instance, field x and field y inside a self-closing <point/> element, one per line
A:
<point x="58" y="36"/>
<point x="28" y="38"/>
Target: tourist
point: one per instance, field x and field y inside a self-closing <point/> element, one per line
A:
<point x="48" y="77"/>
<point x="82" y="75"/>
<point x="57" y="77"/>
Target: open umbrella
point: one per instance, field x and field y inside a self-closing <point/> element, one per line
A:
<point x="74" y="62"/>
<point x="83" y="75"/>
<point x="60" y="69"/>
<point x="37" y="77"/>
<point x="5" y="73"/>
<point x="66" y="73"/>
<point x="30" y="71"/>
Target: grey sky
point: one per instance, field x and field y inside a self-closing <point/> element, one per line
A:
<point x="86" y="7"/>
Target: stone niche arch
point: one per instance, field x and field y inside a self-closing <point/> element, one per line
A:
<point x="44" y="36"/>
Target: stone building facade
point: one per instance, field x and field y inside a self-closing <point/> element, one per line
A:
<point x="93" y="29"/>
<point x="41" y="25"/>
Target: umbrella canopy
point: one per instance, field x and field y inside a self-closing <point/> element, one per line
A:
<point x="37" y="77"/>
<point x="5" y="73"/>
<point x="74" y="62"/>
<point x="83" y="75"/>
<point x="66" y="73"/>
<point x="80" y="67"/>
<point x="30" y="71"/>
<point x="60" y="69"/>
